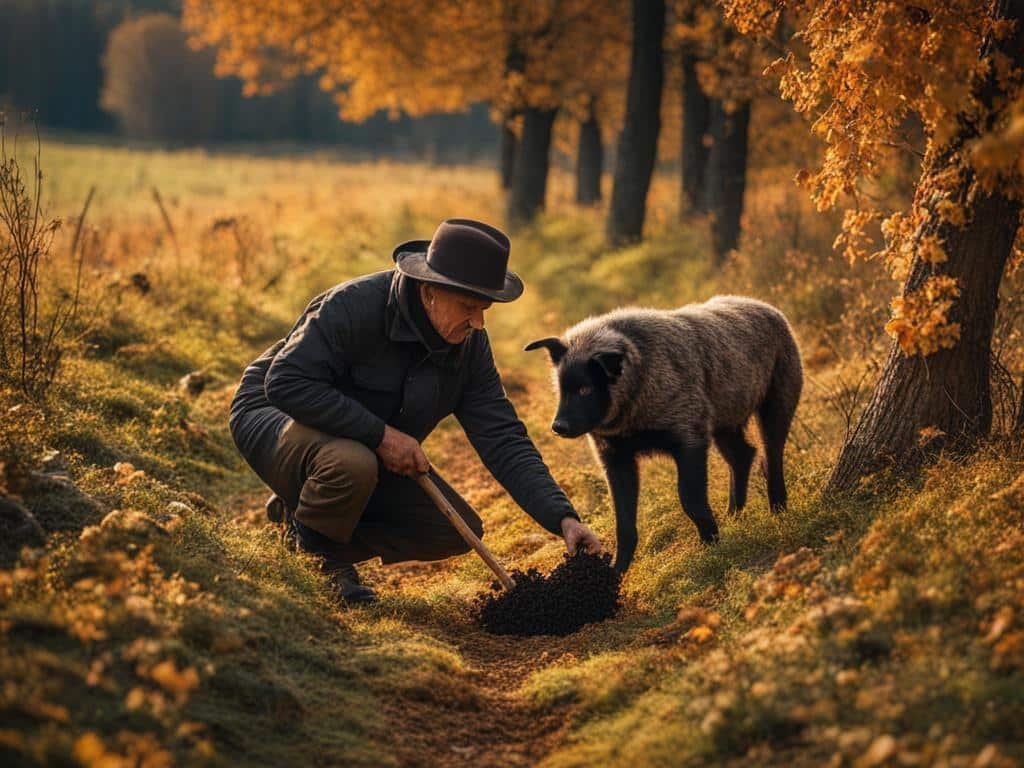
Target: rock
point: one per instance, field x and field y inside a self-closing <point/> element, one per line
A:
<point x="18" y="526"/>
<point x="133" y="523"/>
<point x="141" y="282"/>
<point x="194" y="383"/>
<point x="178" y="508"/>
<point x="171" y="517"/>
<point x="53" y="463"/>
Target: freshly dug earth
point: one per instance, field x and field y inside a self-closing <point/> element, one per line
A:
<point x="582" y="589"/>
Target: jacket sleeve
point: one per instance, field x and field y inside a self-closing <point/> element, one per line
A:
<point x="301" y="379"/>
<point x="497" y="434"/>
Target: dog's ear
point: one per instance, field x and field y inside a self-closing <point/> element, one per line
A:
<point x="552" y="344"/>
<point x="610" y="362"/>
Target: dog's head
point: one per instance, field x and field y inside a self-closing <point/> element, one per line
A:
<point x="585" y="381"/>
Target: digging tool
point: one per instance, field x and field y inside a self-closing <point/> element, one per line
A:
<point x="465" y="531"/>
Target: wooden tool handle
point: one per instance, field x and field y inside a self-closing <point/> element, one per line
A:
<point x="464" y="530"/>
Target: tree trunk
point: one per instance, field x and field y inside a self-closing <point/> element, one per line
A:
<point x="726" y="176"/>
<point x="530" y="180"/>
<point x="515" y="63"/>
<point x="694" y="152"/>
<point x="638" y="142"/>
<point x="589" y="162"/>
<point x="509" y="144"/>
<point x="950" y="390"/>
<point x="1018" y="422"/>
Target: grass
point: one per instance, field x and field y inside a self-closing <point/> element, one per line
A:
<point x="164" y="622"/>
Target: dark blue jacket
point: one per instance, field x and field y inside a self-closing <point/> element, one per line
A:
<point x="356" y="361"/>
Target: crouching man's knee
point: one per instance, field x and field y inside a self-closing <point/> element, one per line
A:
<point x="347" y="463"/>
<point x="342" y="477"/>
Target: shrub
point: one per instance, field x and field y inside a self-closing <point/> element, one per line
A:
<point x="34" y="310"/>
<point x="156" y="86"/>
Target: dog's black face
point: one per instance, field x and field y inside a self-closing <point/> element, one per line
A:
<point x="584" y="388"/>
<point x="584" y="398"/>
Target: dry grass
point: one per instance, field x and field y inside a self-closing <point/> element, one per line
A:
<point x="206" y="641"/>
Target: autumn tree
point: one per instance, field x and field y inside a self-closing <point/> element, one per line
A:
<point x="574" y="63"/>
<point x="720" y="79"/>
<point x="595" y="92"/>
<point x="956" y="66"/>
<point x="154" y="84"/>
<point x="696" y="107"/>
<point x="589" y="159"/>
<point x="417" y="57"/>
<point x="638" y="140"/>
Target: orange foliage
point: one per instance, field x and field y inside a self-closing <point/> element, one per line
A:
<point x="863" y="68"/>
<point x="419" y="57"/>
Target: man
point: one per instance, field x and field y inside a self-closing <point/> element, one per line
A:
<point x="332" y="416"/>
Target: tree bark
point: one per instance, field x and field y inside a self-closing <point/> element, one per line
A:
<point x="950" y="390"/>
<point x="589" y="162"/>
<point x="529" y="182"/>
<point x="726" y="176"/>
<point x="515" y="62"/>
<point x="1018" y="422"/>
<point x="694" y="152"/>
<point x="509" y="145"/>
<point x="638" y="141"/>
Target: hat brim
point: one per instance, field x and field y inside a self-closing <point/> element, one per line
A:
<point x="411" y="259"/>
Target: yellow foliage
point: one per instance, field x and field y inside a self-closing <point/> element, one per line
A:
<point x="860" y="68"/>
<point x="952" y="213"/>
<point x="171" y="679"/>
<point x="930" y="250"/>
<point x="90" y="751"/>
<point x="126" y="473"/>
<point x="419" y="57"/>
<point x="701" y="634"/>
<point x="920" y="319"/>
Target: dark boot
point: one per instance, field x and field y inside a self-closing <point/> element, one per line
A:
<point x="345" y="580"/>
<point x="277" y="510"/>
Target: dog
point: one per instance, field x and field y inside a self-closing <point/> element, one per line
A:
<point x="645" y="381"/>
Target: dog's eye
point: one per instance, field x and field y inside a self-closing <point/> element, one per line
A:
<point x="585" y="390"/>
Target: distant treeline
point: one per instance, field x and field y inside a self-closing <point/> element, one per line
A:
<point x="123" y="66"/>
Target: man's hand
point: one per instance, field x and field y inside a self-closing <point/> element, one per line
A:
<point x="401" y="453"/>
<point x="576" y="534"/>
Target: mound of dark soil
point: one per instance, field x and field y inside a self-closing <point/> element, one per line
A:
<point x="582" y="589"/>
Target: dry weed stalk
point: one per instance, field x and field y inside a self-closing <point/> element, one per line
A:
<point x="34" y="315"/>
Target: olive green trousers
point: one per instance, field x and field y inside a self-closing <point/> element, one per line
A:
<point x="352" y="509"/>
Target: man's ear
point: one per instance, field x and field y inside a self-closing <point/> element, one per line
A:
<point x="552" y="344"/>
<point x="427" y="293"/>
<point x="610" y="362"/>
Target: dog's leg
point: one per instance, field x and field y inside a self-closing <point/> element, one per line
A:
<point x="692" y="465"/>
<point x="739" y="454"/>
<point x="775" y="423"/>
<point x="624" y="483"/>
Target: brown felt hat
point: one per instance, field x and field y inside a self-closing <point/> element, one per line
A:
<point x="464" y="254"/>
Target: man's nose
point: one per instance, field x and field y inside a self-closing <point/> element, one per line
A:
<point x="477" y="320"/>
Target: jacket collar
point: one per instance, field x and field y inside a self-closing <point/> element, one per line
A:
<point x="400" y="326"/>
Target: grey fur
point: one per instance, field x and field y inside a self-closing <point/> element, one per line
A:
<point x="693" y="370"/>
<point x="691" y="377"/>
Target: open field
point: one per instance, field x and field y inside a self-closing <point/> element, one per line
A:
<point x="882" y="629"/>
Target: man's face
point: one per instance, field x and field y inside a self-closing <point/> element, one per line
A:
<point x="453" y="313"/>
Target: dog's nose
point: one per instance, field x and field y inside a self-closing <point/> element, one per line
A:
<point x="560" y="427"/>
